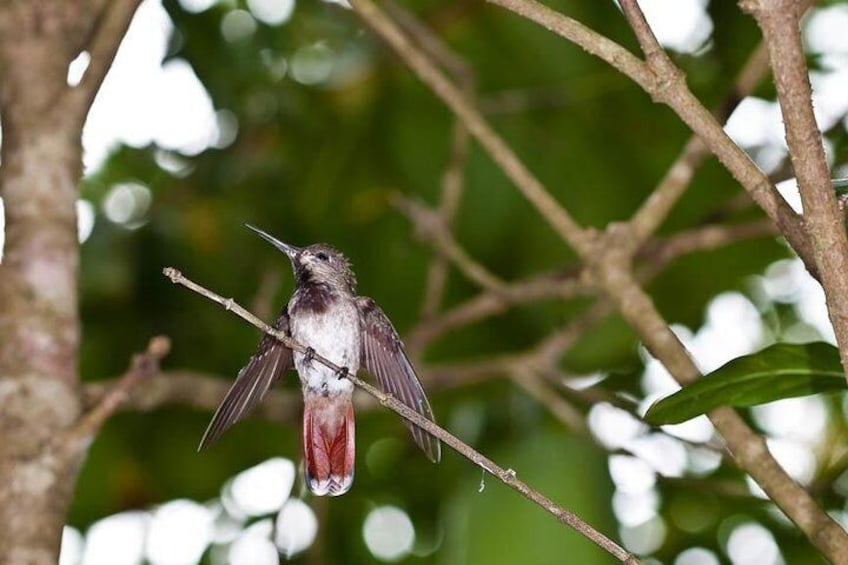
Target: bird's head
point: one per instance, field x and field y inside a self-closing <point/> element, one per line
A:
<point x="319" y="263"/>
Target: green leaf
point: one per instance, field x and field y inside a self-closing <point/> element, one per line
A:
<point x="840" y="185"/>
<point x="780" y="371"/>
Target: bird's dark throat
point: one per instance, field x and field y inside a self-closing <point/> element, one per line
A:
<point x="315" y="297"/>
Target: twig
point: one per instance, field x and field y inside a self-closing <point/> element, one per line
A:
<point x="431" y="227"/>
<point x="191" y="388"/>
<point x="748" y="449"/>
<point x="549" y="351"/>
<point x="452" y="181"/>
<point x="654" y="210"/>
<point x="452" y="187"/>
<point x="648" y="218"/>
<point x="656" y="255"/>
<point x="562" y="284"/>
<point x="142" y="366"/>
<point x="545" y="395"/>
<point x="657" y="206"/>
<point x="507" y="476"/>
<point x="653" y="51"/>
<point x="779" y="21"/>
<point x="430" y="42"/>
<point x="661" y="252"/>
<point x="112" y="25"/>
<point x="597" y="394"/>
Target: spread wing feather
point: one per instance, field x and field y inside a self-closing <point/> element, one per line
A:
<point x="384" y="357"/>
<point x="271" y="360"/>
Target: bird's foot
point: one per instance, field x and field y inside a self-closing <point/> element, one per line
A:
<point x="342" y="373"/>
<point x="308" y="355"/>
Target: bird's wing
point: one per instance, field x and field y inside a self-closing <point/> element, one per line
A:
<point x="271" y="360"/>
<point x="384" y="357"/>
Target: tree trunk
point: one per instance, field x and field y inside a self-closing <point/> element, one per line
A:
<point x="39" y="319"/>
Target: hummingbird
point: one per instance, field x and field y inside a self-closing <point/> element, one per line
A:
<point x="326" y="316"/>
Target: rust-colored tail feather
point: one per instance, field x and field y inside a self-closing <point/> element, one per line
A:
<point x="328" y="444"/>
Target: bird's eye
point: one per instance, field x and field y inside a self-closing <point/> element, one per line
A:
<point x="323" y="256"/>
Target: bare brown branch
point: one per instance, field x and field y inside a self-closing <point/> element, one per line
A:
<point x="453" y="181"/>
<point x="571" y="283"/>
<point x="545" y="394"/>
<point x="191" y="388"/>
<point x="657" y="206"/>
<point x="142" y="367"/>
<point x="562" y="284"/>
<point x="431" y="226"/>
<point x="112" y="24"/>
<point x="453" y="178"/>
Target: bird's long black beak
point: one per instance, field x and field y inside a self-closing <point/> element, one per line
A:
<point x="289" y="250"/>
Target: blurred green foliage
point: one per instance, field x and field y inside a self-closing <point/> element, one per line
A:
<point x="320" y="163"/>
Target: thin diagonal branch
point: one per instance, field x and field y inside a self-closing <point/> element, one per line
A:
<point x="657" y="206"/>
<point x="431" y="227"/>
<point x="453" y="178"/>
<point x="571" y="283"/>
<point x="195" y="389"/>
<point x="112" y="25"/>
<point x="651" y="214"/>
<point x="453" y="181"/>
<point x="561" y="284"/>
<point x="545" y="394"/>
<point x="507" y="476"/>
<point x="142" y="367"/>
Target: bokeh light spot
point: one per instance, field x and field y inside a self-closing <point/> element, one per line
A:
<point x="77" y="68"/>
<point x="143" y="101"/>
<point x="632" y="509"/>
<point x="697" y="556"/>
<point x="646" y="537"/>
<point x="271" y="12"/>
<point x="388" y="533"/>
<point x="296" y="528"/>
<point x="312" y="64"/>
<point x="179" y="532"/>
<point x="254" y="546"/>
<point x="117" y="539"/>
<point x="227" y="128"/>
<point x="71" y="549"/>
<point x="631" y="474"/>
<point x="197" y="6"/>
<point x="126" y="203"/>
<point x="264" y="488"/>
<point x="237" y="25"/>
<point x="85" y="219"/>
<point x="682" y="25"/>
<point x="752" y="544"/>
<point x="613" y="426"/>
